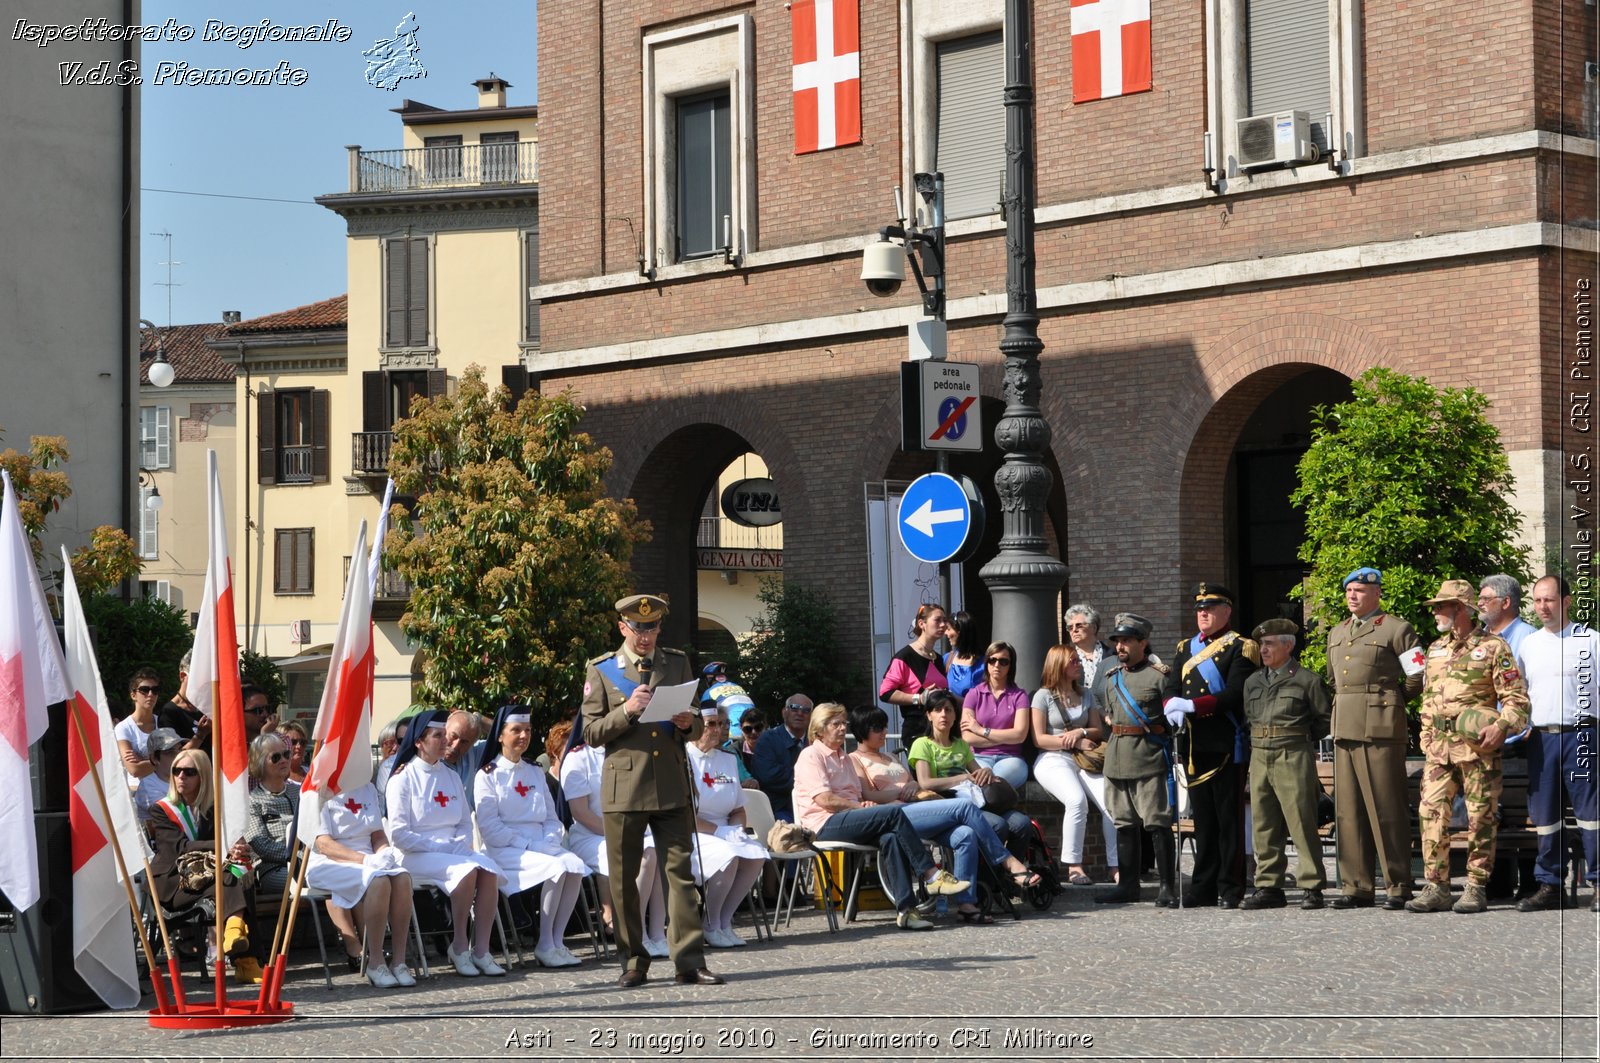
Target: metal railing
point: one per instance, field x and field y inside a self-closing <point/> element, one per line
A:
<point x="369" y="452"/>
<point x="294" y="465"/>
<point x="448" y="166"/>
<point x="719" y="532"/>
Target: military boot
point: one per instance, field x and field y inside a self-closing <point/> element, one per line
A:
<point x="1543" y="899"/>
<point x="1433" y="898"/>
<point x="1166" y="868"/>
<point x="1127" y="889"/>
<point x="1474" y="899"/>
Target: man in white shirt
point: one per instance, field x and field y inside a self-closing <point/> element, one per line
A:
<point x="1561" y="662"/>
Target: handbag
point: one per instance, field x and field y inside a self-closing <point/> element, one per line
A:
<point x="1091" y="760"/>
<point x="789" y="837"/>
<point x="999" y="797"/>
<point x="197" y="870"/>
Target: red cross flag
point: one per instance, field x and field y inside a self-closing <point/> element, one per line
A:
<point x="827" y="74"/>
<point x="1110" y="48"/>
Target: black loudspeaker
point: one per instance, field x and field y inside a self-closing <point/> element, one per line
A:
<point x="36" y="972"/>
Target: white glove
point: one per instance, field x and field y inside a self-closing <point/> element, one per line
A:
<point x="1181" y="705"/>
<point x="384" y="859"/>
<point x="1175" y="717"/>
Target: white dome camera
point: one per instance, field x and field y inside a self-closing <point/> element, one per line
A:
<point x="883" y="267"/>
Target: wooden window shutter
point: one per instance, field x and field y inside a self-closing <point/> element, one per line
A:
<point x="970" y="149"/>
<point x="395" y="289"/>
<point x="282" y="551"/>
<point x="375" y="401"/>
<point x="304" y="560"/>
<point x="266" y="437"/>
<point x="319" y="437"/>
<point x="530" y="271"/>
<point x="417" y="293"/>
<point x="438" y="382"/>
<point x="515" y="378"/>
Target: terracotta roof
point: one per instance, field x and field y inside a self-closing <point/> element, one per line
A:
<point x="330" y="314"/>
<point x="192" y="360"/>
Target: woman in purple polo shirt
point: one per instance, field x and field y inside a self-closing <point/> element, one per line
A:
<point x="994" y="717"/>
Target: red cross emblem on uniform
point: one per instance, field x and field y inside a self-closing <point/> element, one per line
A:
<point x="442" y="799"/>
<point x="354" y="807"/>
<point x="521" y="788"/>
<point x="706" y="778"/>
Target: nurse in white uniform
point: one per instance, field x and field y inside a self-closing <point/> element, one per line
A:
<point x="726" y="859"/>
<point x="353" y="860"/>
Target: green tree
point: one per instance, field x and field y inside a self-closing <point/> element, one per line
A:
<point x="143" y="633"/>
<point x="792" y="648"/>
<point x="258" y="669"/>
<point x="1412" y="480"/>
<point x="514" y="553"/>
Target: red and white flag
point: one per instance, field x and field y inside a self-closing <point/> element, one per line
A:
<point x="102" y="930"/>
<point x="827" y="74"/>
<point x="375" y="561"/>
<point x="343" y="759"/>
<point x="214" y="673"/>
<point x="30" y="680"/>
<point x="1110" y="48"/>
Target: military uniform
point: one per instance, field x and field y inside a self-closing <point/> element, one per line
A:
<point x="644" y="783"/>
<point x="1467" y="677"/>
<point x="1376" y="667"/>
<point x="1211" y="673"/>
<point x="1287" y="711"/>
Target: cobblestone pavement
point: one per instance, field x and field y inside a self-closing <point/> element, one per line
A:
<point x="1077" y="982"/>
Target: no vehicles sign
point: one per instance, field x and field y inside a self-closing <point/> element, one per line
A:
<point x="941" y="407"/>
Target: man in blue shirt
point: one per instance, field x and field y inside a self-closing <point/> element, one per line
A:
<point x="776" y="752"/>
<point x="1500" y="609"/>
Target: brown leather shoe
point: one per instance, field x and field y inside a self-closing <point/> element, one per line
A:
<point x="699" y="976"/>
<point x="1351" y="900"/>
<point x="632" y="978"/>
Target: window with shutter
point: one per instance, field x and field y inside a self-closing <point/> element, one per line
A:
<point x="406" y="292"/>
<point x="704" y="176"/>
<point x="295" y="435"/>
<point x="266" y="437"/>
<point x="293" y="561"/>
<point x="970" y="138"/>
<point x="530" y="278"/>
<point x="442" y="158"/>
<point x="498" y="156"/>
<point x="1287" y="64"/>
<point x="155" y="437"/>
<point x="149" y="527"/>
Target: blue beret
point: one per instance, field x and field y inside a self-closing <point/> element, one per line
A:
<point x="1363" y="575"/>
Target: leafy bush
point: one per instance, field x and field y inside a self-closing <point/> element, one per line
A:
<point x="143" y="633"/>
<point x="792" y="648"/>
<point x="258" y="668"/>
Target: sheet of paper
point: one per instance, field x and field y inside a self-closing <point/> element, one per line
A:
<point x="667" y="702"/>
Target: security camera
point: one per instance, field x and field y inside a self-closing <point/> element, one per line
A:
<point x="883" y="267"/>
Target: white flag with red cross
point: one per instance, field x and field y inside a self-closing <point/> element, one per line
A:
<point x="827" y="74"/>
<point x="1110" y="48"/>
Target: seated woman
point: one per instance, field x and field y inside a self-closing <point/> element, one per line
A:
<point x="274" y="803"/>
<point x="828" y="801"/>
<point x="353" y="860"/>
<point x="1062" y="722"/>
<point x="726" y="859"/>
<point x="522" y="833"/>
<point x="299" y="750"/>
<point x="943" y="762"/>
<point x="580" y="782"/>
<point x="183" y="822"/>
<point x="994" y="717"/>
<point x="957" y="825"/>
<point x="430" y="824"/>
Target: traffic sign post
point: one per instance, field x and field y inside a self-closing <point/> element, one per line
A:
<point x="939" y="407"/>
<point x="941" y="518"/>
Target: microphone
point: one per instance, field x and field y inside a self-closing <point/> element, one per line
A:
<point x="644" y="671"/>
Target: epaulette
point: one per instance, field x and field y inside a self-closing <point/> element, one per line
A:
<point x="602" y="657"/>
<point x="673" y="652"/>
<point x="1251" y="649"/>
<point x="1161" y="666"/>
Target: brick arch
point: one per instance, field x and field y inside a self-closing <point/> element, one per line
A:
<point x="1238" y="373"/>
<point x="676" y="450"/>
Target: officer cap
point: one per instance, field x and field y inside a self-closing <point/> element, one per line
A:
<point x="642" y="608"/>
<point x="1365" y="574"/>
<point x="1212" y="594"/>
<point x="1455" y="590"/>
<point x="1279" y="626"/>
<point x="1130" y="625"/>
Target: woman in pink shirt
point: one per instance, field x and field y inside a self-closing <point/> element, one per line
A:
<point x="827" y="801"/>
<point x="915" y="670"/>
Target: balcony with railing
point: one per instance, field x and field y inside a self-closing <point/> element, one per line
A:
<point x="369" y="453"/>
<point x="294" y="465"/>
<point x="444" y="166"/>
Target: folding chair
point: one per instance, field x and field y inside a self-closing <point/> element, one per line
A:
<point x="758" y="814"/>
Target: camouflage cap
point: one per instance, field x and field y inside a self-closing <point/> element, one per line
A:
<point x="1280" y="626"/>
<point x="1130" y="625"/>
<point x="642" y="608"/>
<point x="1456" y="590"/>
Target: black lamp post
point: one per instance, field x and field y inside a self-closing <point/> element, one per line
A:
<point x="1023" y="579"/>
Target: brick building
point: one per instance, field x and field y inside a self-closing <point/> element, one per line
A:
<point x="1190" y="319"/>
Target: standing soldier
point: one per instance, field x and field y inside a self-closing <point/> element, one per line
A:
<point x="1207" y="684"/>
<point x="1138" y="769"/>
<point x="1470" y="672"/>
<point x="645" y="785"/>
<point x="1375" y="662"/>
<point x="1287" y="709"/>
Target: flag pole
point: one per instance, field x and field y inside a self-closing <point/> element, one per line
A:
<point x="275" y="971"/>
<point x="283" y="902"/>
<point x="162" y="1004"/>
<point x="221" y="980"/>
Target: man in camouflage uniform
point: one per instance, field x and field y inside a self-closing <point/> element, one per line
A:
<point x="1287" y="709"/>
<point x="1470" y="672"/>
<point x="1129" y="693"/>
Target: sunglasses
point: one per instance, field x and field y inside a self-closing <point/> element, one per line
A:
<point x="797" y="708"/>
<point x="148" y="690"/>
<point x="258" y="710"/>
<point x="297" y="743"/>
<point x="752" y="727"/>
<point x="186" y="772"/>
<point x="277" y="758"/>
<point x="999" y="660"/>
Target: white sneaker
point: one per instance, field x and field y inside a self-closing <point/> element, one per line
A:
<point x="910" y="920"/>
<point x="486" y="965"/>
<point x="554" y="956"/>
<point x="463" y="962"/>
<point x="402" y="975"/>
<point x="380" y="976"/>
<point x="657" y="947"/>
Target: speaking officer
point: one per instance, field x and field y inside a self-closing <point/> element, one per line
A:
<point x="1287" y="709"/>
<point x="645" y="784"/>
<point x="1376" y="664"/>
<point x="1207" y="685"/>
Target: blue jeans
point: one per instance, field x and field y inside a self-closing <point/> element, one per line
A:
<point x="902" y="860"/>
<point x="961" y="826"/>
<point x="1008" y="766"/>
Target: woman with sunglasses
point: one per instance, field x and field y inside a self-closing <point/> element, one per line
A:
<point x="915" y="671"/>
<point x="726" y="859"/>
<point x="743" y="745"/>
<point x="522" y="833"/>
<point x="995" y="717"/>
<point x="134" y="730"/>
<point x="431" y="825"/>
<point x="274" y="804"/>
<point x="299" y="746"/>
<point x="183" y="822"/>
<point x="1064" y="721"/>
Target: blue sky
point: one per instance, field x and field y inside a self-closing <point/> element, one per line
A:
<point x="236" y="152"/>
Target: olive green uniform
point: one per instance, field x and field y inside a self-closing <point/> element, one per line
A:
<point x="1136" y="768"/>
<point x="1287" y="711"/>
<point x="1371" y="686"/>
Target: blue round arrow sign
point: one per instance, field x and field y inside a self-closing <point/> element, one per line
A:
<point x="935" y="518"/>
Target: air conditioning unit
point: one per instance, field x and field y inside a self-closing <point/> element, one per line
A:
<point x="1282" y="139"/>
<point x="300" y="631"/>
